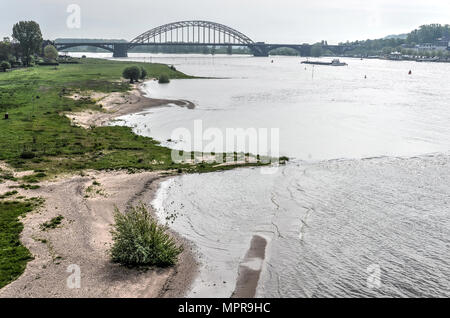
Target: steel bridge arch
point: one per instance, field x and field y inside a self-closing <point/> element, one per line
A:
<point x="222" y="34"/>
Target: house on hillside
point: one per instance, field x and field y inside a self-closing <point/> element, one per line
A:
<point x="437" y="46"/>
<point x="443" y="42"/>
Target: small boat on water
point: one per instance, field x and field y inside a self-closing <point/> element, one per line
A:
<point x="335" y="62"/>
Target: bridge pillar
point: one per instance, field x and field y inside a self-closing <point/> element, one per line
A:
<point x="304" y="50"/>
<point x="120" y="50"/>
<point x="259" y="49"/>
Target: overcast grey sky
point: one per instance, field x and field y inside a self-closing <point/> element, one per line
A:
<point x="288" y="21"/>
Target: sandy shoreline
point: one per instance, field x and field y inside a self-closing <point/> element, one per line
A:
<point x="84" y="236"/>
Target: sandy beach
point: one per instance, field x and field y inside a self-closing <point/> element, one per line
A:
<point x="83" y="238"/>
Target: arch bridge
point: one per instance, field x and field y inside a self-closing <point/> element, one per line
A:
<point x="194" y="33"/>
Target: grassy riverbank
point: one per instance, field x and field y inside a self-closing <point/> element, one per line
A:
<point x="37" y="136"/>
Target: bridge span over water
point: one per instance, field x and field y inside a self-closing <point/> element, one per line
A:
<point x="197" y="33"/>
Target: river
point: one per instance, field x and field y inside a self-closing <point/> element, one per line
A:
<point x="360" y="210"/>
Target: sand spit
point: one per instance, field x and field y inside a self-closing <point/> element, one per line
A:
<point x="117" y="104"/>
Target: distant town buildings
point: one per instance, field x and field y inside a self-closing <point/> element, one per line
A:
<point x="441" y="44"/>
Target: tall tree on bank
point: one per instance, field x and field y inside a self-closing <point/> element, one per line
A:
<point x="29" y="35"/>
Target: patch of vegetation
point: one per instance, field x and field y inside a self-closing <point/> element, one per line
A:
<point x="7" y="176"/>
<point x="26" y="186"/>
<point x="34" y="178"/>
<point x="13" y="255"/>
<point x="8" y="194"/>
<point x="95" y="189"/>
<point x="140" y="241"/>
<point x="41" y="240"/>
<point x="52" y="224"/>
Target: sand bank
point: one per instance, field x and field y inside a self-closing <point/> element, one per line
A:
<point x="83" y="239"/>
<point x="117" y="104"/>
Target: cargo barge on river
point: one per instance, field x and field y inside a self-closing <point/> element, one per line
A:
<point x="335" y="62"/>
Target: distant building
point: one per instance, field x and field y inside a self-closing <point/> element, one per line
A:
<point x="443" y="42"/>
<point x="437" y="46"/>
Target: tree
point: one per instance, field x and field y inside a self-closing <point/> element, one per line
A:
<point x="29" y="35"/>
<point x="5" y="51"/>
<point x="316" y="50"/>
<point x="133" y="73"/>
<point x="143" y="73"/>
<point x="428" y="33"/>
<point x="50" y="53"/>
<point x="387" y="50"/>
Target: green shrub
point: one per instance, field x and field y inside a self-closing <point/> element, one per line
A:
<point x="5" y="66"/>
<point x="27" y="155"/>
<point x="143" y="73"/>
<point x="8" y="194"/>
<point x="163" y="79"/>
<point x="48" y="63"/>
<point x="138" y="240"/>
